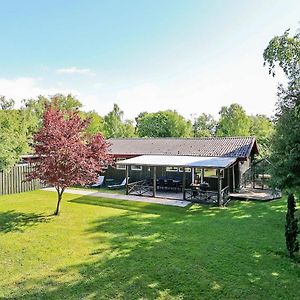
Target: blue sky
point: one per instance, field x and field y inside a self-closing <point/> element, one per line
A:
<point x="192" y="56"/>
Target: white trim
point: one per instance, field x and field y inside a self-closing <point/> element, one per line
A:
<point x="136" y="168"/>
<point x="187" y="170"/>
<point x="181" y="161"/>
<point x="171" y="169"/>
<point x="120" y="166"/>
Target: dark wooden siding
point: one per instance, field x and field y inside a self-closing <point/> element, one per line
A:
<point x="147" y="172"/>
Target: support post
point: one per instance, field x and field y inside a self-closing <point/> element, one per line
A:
<point x="253" y="176"/>
<point x="193" y="175"/>
<point x="154" y="181"/>
<point x="183" y="183"/>
<point x="233" y="178"/>
<point x="202" y="176"/>
<point x="127" y="171"/>
<point x="220" y="200"/>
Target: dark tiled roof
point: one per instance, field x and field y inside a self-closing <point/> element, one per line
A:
<point x="221" y="146"/>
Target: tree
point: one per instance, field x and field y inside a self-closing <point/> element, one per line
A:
<point x="128" y="128"/>
<point x="233" y="121"/>
<point x="96" y="123"/>
<point x="114" y="125"/>
<point x="6" y="104"/>
<point x="163" y="124"/>
<point x="284" y="51"/>
<point x="67" y="103"/>
<point x="291" y="227"/>
<point x="65" y="155"/>
<point x="204" y="125"/>
<point x="262" y="128"/>
<point x="34" y="108"/>
<point x="13" y="138"/>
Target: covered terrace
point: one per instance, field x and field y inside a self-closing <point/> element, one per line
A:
<point x="195" y="190"/>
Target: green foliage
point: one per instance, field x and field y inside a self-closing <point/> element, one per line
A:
<point x="285" y="51"/>
<point x="233" y="121"/>
<point x="115" y="126"/>
<point x="96" y="124"/>
<point x="6" y="104"/>
<point x="35" y="108"/>
<point x="204" y="125"/>
<point x="291" y="227"/>
<point x="163" y="124"/>
<point x="67" y="103"/>
<point x="128" y="129"/>
<point x="285" y="156"/>
<point x="13" y="137"/>
<point x="262" y="128"/>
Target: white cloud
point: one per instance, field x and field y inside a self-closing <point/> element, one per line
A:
<point x="75" y="70"/>
<point x="190" y="93"/>
<point x="205" y="91"/>
<point x="29" y="87"/>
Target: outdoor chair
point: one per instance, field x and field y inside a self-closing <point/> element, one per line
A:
<point x="118" y="186"/>
<point x="99" y="182"/>
<point x="149" y="181"/>
<point x="195" y="192"/>
<point x="170" y="184"/>
<point x="161" y="183"/>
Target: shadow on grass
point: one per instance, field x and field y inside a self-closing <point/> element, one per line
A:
<point x="156" y="252"/>
<point x="18" y="221"/>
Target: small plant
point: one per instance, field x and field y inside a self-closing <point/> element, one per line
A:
<point x="291" y="227"/>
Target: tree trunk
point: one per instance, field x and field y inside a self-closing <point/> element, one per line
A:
<point x="59" y="197"/>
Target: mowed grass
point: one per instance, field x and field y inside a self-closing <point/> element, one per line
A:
<point x="111" y="249"/>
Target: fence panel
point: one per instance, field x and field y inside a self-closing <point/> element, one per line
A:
<point x="14" y="180"/>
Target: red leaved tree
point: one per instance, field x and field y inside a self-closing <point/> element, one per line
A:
<point x="66" y="156"/>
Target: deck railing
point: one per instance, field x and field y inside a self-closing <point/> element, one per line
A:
<point x="140" y="188"/>
<point x="197" y="195"/>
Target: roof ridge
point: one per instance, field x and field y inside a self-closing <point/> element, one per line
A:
<point x="183" y="138"/>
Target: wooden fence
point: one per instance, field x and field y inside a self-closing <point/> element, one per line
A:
<point x="14" y="181"/>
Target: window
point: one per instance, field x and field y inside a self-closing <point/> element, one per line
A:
<point x="120" y="167"/>
<point x="188" y="170"/>
<point x="136" y="168"/>
<point x="212" y="173"/>
<point x="176" y="169"/>
<point x="171" y="169"/>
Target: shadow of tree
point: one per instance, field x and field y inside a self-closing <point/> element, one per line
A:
<point x="18" y="221"/>
<point x="152" y="252"/>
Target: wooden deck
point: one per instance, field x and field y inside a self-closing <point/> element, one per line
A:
<point x="255" y="195"/>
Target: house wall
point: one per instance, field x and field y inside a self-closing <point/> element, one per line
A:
<point x="147" y="172"/>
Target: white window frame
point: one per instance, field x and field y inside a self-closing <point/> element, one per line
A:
<point x="171" y="169"/>
<point x="214" y="176"/>
<point x="187" y="170"/>
<point x="120" y="167"/>
<point x="136" y="168"/>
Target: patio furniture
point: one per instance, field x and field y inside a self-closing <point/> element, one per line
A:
<point x="203" y="189"/>
<point x="161" y="184"/>
<point x="170" y="184"/>
<point x="99" y="182"/>
<point x="118" y="186"/>
<point x="177" y="184"/>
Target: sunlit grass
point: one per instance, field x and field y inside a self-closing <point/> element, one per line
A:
<point x="113" y="249"/>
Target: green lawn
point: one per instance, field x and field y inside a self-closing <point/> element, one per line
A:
<point x="110" y="249"/>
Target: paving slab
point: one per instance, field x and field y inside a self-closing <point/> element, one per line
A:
<point x="162" y="201"/>
<point x="256" y="194"/>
